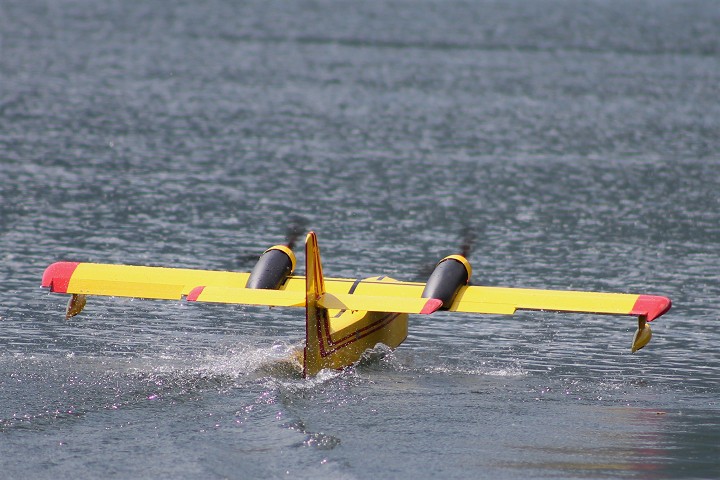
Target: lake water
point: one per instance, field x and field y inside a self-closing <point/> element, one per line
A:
<point x="577" y="144"/>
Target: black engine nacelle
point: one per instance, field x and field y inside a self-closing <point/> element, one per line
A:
<point x="272" y="269"/>
<point x="451" y="273"/>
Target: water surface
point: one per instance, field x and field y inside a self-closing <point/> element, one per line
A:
<point x="576" y="144"/>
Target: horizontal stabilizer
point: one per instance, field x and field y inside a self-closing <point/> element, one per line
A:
<point x="380" y="304"/>
<point x="247" y="296"/>
<point x="292" y="298"/>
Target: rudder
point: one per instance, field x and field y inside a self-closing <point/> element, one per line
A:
<point x="315" y="315"/>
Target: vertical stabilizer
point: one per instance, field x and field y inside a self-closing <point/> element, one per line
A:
<point x="315" y="315"/>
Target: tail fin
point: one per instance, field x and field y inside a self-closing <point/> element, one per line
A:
<point x="315" y="315"/>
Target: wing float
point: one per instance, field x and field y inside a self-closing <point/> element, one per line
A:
<point x="344" y="317"/>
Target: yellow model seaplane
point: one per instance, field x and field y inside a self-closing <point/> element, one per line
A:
<point x="343" y="317"/>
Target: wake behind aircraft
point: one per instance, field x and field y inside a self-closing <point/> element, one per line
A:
<point x="343" y="317"/>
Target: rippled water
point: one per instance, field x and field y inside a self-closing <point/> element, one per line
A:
<point x="576" y="144"/>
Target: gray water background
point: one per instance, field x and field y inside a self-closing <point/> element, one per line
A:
<point x="577" y="143"/>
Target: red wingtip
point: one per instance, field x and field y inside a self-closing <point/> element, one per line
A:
<point x="432" y="305"/>
<point x="194" y="294"/>
<point x="57" y="276"/>
<point x="651" y="306"/>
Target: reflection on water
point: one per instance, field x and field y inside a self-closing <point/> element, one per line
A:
<point x="625" y="441"/>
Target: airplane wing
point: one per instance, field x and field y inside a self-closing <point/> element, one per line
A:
<point x="382" y="294"/>
<point x="379" y="294"/>
<point x="404" y="297"/>
<point x="133" y="281"/>
<point x="372" y="294"/>
<point x="375" y="294"/>
<point x="500" y="300"/>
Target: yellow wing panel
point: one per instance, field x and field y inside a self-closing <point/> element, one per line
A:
<point x="506" y="300"/>
<point x="172" y="283"/>
<point x="133" y="281"/>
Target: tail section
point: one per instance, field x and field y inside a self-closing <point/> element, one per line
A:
<point x="316" y="316"/>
